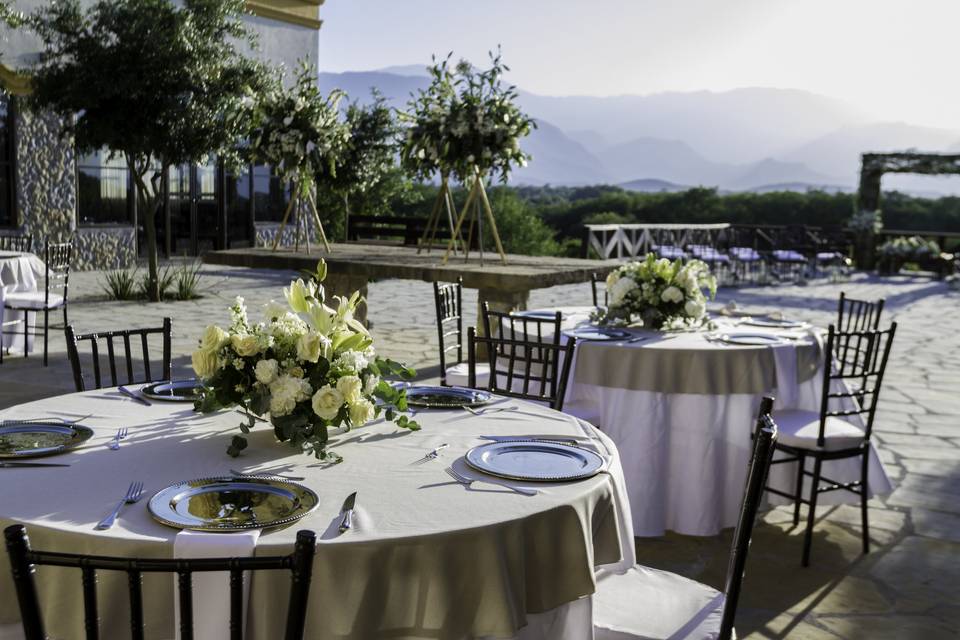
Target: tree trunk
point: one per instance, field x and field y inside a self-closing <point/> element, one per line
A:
<point x="346" y="218"/>
<point x="149" y="204"/>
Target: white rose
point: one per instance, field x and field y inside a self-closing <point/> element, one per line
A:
<point x="350" y="387"/>
<point x="327" y="402"/>
<point x="245" y="345"/>
<point x="672" y="294"/>
<point x="213" y="338"/>
<point x="694" y="309"/>
<point x="266" y="371"/>
<point x="361" y="412"/>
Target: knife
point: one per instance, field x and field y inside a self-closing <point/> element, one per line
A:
<point x="131" y="394"/>
<point x="347" y="510"/>
<point x="33" y="464"/>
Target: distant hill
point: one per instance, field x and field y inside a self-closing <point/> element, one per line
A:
<point x="652" y="185"/>
<point x="744" y="139"/>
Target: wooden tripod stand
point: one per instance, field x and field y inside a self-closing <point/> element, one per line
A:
<point x="443" y="202"/>
<point x="476" y="200"/>
<point x="299" y="202"/>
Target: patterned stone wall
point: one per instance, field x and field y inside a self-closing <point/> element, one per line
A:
<point x="267" y="233"/>
<point x="104" y="248"/>
<point x="46" y="179"/>
<point x="47" y="197"/>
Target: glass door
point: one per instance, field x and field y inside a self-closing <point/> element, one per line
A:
<point x="194" y="224"/>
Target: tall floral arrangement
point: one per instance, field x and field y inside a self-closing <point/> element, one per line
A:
<point x="306" y="366"/>
<point x="466" y="121"/>
<point x="297" y="130"/>
<point x="659" y="294"/>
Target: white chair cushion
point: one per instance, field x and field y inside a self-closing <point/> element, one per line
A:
<point x="648" y="604"/>
<point x="31" y="299"/>
<point x="796" y="428"/>
<point x="459" y="374"/>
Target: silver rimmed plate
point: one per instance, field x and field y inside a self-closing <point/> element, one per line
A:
<point x="232" y="504"/>
<point x="537" y="314"/>
<point x="598" y="333"/>
<point x="537" y="460"/>
<point x="751" y="339"/>
<point x="32" y="439"/>
<point x="173" y="390"/>
<point x="774" y="324"/>
<point x="447" y="397"/>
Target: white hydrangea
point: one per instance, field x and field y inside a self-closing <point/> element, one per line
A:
<point x="352" y="360"/>
<point x="285" y="392"/>
<point x="266" y="371"/>
<point x="620" y="289"/>
<point x="672" y="294"/>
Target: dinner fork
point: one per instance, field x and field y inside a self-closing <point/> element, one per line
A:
<point x="120" y="435"/>
<point x="480" y="412"/>
<point x="465" y="481"/>
<point x="134" y="493"/>
<point x="254" y="474"/>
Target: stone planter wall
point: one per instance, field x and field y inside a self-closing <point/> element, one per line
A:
<point x="108" y="247"/>
<point x="46" y="179"/>
<point x="267" y="233"/>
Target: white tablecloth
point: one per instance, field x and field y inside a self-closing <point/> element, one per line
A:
<point x="18" y="272"/>
<point x="426" y="557"/>
<point x="685" y="454"/>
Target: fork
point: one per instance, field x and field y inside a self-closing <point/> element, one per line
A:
<point x="134" y="493"/>
<point x="480" y="412"/>
<point x="241" y="474"/>
<point x="467" y="482"/>
<point x="120" y="435"/>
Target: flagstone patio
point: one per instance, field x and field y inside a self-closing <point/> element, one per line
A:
<point x="906" y="586"/>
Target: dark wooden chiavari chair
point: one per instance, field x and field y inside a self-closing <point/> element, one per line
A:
<point x="858" y="315"/>
<point x="596" y="285"/>
<point x="127" y="339"/>
<point x="53" y="296"/>
<point x="852" y="379"/>
<point x="23" y="244"/>
<point x="448" y="297"/>
<point x="626" y="604"/>
<point x="24" y="560"/>
<point x="522" y="367"/>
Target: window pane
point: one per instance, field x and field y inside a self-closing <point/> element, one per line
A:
<point x="237" y="202"/>
<point x="270" y="195"/>
<point x="104" y="189"/>
<point x="7" y="167"/>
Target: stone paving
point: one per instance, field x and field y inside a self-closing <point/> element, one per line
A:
<point x="905" y="588"/>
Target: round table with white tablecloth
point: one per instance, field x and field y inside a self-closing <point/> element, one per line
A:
<point x="680" y="408"/>
<point x="426" y="557"/>
<point x="19" y="272"/>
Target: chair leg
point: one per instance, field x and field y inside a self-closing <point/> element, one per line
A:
<point x="26" y="331"/>
<point x="46" y="333"/>
<point x="798" y="493"/>
<point x="808" y="534"/>
<point x="864" y="496"/>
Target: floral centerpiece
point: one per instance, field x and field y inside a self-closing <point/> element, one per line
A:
<point x="658" y="294"/>
<point x="306" y="367"/>
<point x="893" y="254"/>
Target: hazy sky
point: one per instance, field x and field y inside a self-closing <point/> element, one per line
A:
<point x="894" y="58"/>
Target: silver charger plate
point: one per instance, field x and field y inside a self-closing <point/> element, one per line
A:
<point x="537" y="460"/>
<point x="774" y="324"/>
<point x="173" y="390"/>
<point x="232" y="504"/>
<point x="598" y="333"/>
<point x="33" y="439"/>
<point x="751" y="339"/>
<point x="447" y="397"/>
<point x="538" y="314"/>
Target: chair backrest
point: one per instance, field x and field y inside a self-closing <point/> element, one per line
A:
<point x="855" y="362"/>
<point x="57" y="257"/>
<point x="128" y="339"/>
<point x="23" y="561"/>
<point x="858" y="315"/>
<point x="449" y="301"/>
<point x="523" y="368"/>
<point x="595" y="281"/>
<point x="16" y="243"/>
<point x="763" y="446"/>
<point x="521" y="327"/>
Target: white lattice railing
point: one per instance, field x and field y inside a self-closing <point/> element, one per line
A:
<point x="633" y="240"/>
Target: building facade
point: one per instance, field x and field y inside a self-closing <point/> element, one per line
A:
<point x="53" y="193"/>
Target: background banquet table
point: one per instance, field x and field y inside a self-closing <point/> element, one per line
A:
<point x="426" y="558"/>
<point x="681" y="408"/>
<point x="19" y="272"/>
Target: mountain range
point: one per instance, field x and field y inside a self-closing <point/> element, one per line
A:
<point x="751" y="139"/>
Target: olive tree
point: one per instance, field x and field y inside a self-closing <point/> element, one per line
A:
<point x="162" y="84"/>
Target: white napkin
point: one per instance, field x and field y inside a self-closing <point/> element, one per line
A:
<point x="776" y="316"/>
<point x="785" y="361"/>
<point x="211" y="589"/>
<point x="729" y="309"/>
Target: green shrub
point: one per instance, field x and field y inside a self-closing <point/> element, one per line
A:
<point x="165" y="280"/>
<point x="121" y="284"/>
<point x="187" y="281"/>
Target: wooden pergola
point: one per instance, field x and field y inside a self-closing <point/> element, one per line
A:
<point x="874" y="165"/>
